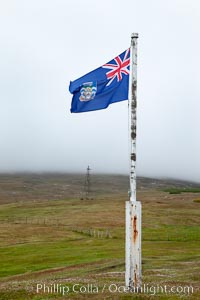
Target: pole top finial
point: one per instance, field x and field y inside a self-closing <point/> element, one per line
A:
<point x="134" y="35"/>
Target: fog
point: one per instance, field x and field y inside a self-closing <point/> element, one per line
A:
<point x="45" y="44"/>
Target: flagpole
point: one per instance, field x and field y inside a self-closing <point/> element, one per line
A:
<point x="133" y="207"/>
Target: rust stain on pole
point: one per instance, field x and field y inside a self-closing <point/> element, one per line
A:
<point x="135" y="279"/>
<point x="133" y="134"/>
<point x="133" y="156"/>
<point x="135" y="230"/>
<point x="134" y="88"/>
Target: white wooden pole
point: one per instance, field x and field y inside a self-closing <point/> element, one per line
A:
<point x="133" y="207"/>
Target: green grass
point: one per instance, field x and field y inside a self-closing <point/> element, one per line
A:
<point x="172" y="233"/>
<point x="197" y="200"/>
<point x="181" y="190"/>
<point x="35" y="257"/>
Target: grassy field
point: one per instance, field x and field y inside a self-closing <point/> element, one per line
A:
<point x="51" y="239"/>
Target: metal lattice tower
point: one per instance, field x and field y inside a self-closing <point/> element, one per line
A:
<point x="87" y="185"/>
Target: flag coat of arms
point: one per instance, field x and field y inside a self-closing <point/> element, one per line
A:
<point x="103" y="86"/>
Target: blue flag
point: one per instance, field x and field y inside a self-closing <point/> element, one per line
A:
<point x="103" y="86"/>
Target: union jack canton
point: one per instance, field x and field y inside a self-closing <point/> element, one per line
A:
<point x="103" y="86"/>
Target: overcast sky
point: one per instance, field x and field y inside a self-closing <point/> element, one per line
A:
<point x="46" y="43"/>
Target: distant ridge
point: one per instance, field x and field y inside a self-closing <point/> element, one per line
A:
<point x="147" y="182"/>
